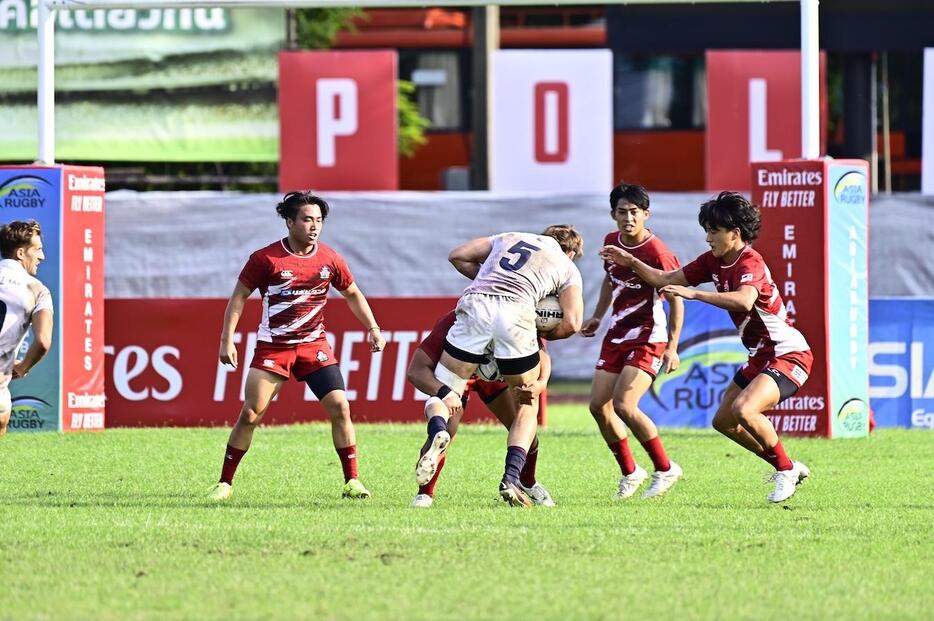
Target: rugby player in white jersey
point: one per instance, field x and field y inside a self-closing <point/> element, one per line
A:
<point x="511" y="272"/>
<point x="24" y="302"/>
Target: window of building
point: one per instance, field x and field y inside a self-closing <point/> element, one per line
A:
<point x="439" y="92"/>
<point x="659" y="92"/>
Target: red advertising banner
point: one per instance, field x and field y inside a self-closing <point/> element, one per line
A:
<point x="163" y="367"/>
<point x="81" y="320"/>
<point x="337" y="121"/>
<point x="793" y="242"/>
<point x="754" y="113"/>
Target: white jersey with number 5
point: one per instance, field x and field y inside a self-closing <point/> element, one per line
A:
<point x="21" y="296"/>
<point x="526" y="267"/>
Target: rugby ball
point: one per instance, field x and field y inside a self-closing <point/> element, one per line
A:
<point x="489" y="371"/>
<point x="548" y="313"/>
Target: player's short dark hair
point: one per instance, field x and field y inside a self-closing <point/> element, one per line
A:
<point x="567" y="237"/>
<point x="630" y="193"/>
<point x="17" y="234"/>
<point x="731" y="210"/>
<point x="293" y="201"/>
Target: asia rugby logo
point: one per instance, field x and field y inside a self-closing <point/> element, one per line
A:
<point x="27" y="411"/>
<point x="854" y="416"/>
<point x="709" y="361"/>
<point x="850" y="189"/>
<point x="23" y="192"/>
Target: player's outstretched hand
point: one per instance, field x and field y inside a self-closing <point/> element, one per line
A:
<point x="375" y="337"/>
<point x="615" y="254"/>
<point x="589" y="327"/>
<point x="228" y="354"/>
<point x="670" y="361"/>
<point x="678" y="291"/>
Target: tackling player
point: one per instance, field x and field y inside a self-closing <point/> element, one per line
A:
<point x="637" y="345"/>
<point x="445" y="405"/>
<point x="779" y="357"/>
<point x="293" y="275"/>
<point x="24" y="302"/>
<point x="511" y="272"/>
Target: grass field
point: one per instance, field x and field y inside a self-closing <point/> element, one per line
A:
<point x="116" y="526"/>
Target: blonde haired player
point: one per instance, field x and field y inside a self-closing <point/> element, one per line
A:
<point x="24" y="302"/>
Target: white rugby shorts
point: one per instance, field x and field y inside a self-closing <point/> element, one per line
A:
<point x="505" y="323"/>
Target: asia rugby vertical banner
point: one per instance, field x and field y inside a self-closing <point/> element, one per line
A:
<point x="35" y="194"/>
<point x="337" y="121"/>
<point x="813" y="239"/>
<point x="848" y="289"/>
<point x="65" y="390"/>
<point x="552" y="120"/>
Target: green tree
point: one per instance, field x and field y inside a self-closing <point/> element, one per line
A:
<point x="316" y="29"/>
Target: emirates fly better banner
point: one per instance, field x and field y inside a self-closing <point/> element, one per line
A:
<point x="813" y="238"/>
<point x="552" y="120"/>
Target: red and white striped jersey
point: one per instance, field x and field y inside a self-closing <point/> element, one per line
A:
<point x="294" y="289"/>
<point x="765" y="330"/>
<point x="638" y="315"/>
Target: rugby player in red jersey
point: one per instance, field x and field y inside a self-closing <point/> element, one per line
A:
<point x="779" y="356"/>
<point x="638" y="344"/>
<point x="293" y="275"/>
<point x="445" y="404"/>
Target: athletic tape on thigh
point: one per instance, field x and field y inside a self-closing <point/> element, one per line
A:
<point x="450" y="379"/>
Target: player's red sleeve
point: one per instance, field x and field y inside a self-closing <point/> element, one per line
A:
<point x="750" y="271"/>
<point x="342" y="276"/>
<point x="699" y="270"/>
<point x="668" y="262"/>
<point x="255" y="272"/>
<point x="433" y="344"/>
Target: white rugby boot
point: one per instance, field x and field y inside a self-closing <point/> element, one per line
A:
<point x="629" y="483"/>
<point x="786" y="481"/>
<point x="422" y="501"/>
<point x="663" y="481"/>
<point x="428" y="463"/>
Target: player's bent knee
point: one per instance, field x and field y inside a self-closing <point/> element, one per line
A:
<point x="598" y="411"/>
<point x="450" y="379"/>
<point x="722" y="425"/>
<point x="625" y="410"/>
<point x="250" y="416"/>
<point x="742" y="411"/>
<point x="337" y="407"/>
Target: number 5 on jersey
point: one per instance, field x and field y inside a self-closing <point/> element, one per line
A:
<point x="523" y="250"/>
